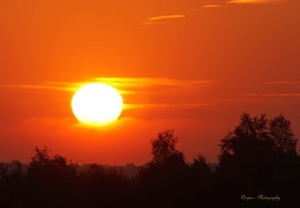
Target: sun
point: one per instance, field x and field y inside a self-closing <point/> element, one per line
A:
<point x="97" y="104"/>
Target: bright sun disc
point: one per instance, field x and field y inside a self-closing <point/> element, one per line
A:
<point x="97" y="104"/>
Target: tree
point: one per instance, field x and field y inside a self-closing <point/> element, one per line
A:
<point x="39" y="160"/>
<point x="164" y="146"/>
<point x="163" y="178"/>
<point x="200" y="166"/>
<point x="3" y="171"/>
<point x="282" y="136"/>
<point x="103" y="187"/>
<point x="43" y="165"/>
<point x="51" y="178"/>
<point x="275" y="135"/>
<point x="247" y="134"/>
<point x="257" y="153"/>
<point x="201" y="178"/>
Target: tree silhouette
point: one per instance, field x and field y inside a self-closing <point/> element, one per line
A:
<point x="200" y="166"/>
<point x="254" y="133"/>
<point x="282" y="136"/>
<point x="164" y="146"/>
<point x="52" y="179"/>
<point x="102" y="186"/>
<point x="164" y="176"/>
<point x="201" y="180"/>
<point x="55" y="168"/>
<point x="258" y="157"/>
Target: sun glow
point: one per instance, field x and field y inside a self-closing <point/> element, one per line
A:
<point x="97" y="104"/>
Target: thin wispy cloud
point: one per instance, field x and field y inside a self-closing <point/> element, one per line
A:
<point x="162" y="19"/>
<point x="59" y="86"/>
<point x="282" y="82"/>
<point x="254" y="1"/>
<point x="137" y="85"/>
<point x="274" y="95"/>
<point x="212" y="6"/>
<point x="45" y="86"/>
<point x="146" y="81"/>
<point x="166" y="17"/>
<point x="119" y="82"/>
<point x="154" y="86"/>
<point x="166" y="105"/>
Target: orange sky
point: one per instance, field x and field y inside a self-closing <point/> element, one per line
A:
<point x="194" y="66"/>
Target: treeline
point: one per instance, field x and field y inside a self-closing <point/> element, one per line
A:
<point x="129" y="169"/>
<point x="258" y="167"/>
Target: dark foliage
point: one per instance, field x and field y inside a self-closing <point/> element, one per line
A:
<point x="257" y="159"/>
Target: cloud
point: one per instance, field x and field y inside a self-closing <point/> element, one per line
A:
<point x="274" y="95"/>
<point x="166" y="105"/>
<point x="166" y="17"/>
<point x="282" y="82"/>
<point x="148" y="81"/>
<point x="212" y="6"/>
<point x="137" y="85"/>
<point x="162" y="19"/>
<point x="129" y="82"/>
<point x="162" y="89"/>
<point x="41" y="87"/>
<point x="144" y="92"/>
<point x="47" y="86"/>
<point x="254" y="1"/>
